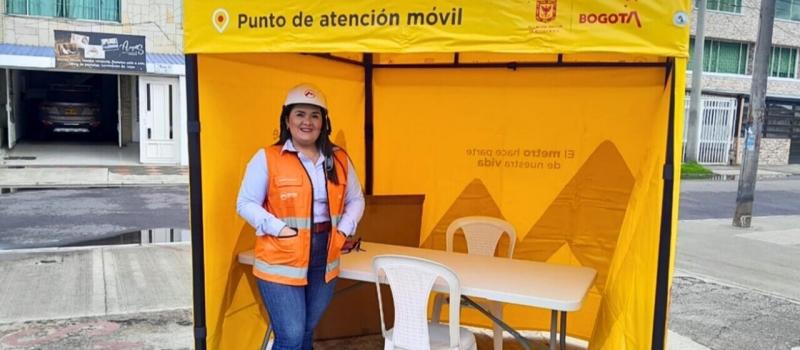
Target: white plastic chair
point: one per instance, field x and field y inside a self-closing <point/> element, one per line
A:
<point x="482" y="234"/>
<point x="411" y="280"/>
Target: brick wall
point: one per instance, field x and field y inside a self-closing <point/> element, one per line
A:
<point x="740" y="84"/>
<point x="743" y="27"/>
<point x="160" y="21"/>
<point x="772" y="152"/>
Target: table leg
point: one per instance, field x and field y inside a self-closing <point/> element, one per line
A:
<point x="520" y="339"/>
<point x="553" y="328"/>
<point x="563" y="330"/>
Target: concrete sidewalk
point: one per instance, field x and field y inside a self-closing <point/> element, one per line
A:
<point x="764" y="171"/>
<point x="60" y="283"/>
<point x="17" y="177"/>
<point x="764" y="257"/>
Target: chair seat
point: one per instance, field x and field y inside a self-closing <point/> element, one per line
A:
<point x="440" y="337"/>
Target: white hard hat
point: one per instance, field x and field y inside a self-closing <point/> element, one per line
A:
<point x="307" y="94"/>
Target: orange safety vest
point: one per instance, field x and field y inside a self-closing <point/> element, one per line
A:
<point x="290" y="197"/>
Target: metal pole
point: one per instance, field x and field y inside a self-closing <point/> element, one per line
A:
<point x="695" y="103"/>
<point x="755" y="117"/>
<point x="196" y="203"/>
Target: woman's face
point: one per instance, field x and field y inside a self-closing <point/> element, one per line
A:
<point x="305" y="124"/>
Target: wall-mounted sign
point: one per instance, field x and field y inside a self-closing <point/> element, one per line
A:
<point x="99" y="51"/>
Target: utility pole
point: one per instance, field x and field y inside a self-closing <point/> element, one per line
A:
<point x="693" y="131"/>
<point x="755" y="117"/>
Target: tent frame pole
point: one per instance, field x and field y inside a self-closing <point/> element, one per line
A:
<point x="665" y="237"/>
<point x="196" y="203"/>
<point x="369" y="129"/>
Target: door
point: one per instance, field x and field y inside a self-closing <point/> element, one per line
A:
<point x="12" y="127"/>
<point x="158" y="111"/>
<point x="119" y="111"/>
<point x="716" y="129"/>
<point x="134" y="89"/>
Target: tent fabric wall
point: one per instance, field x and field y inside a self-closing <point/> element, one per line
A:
<point x="585" y="199"/>
<point x="240" y="98"/>
<point x="611" y="121"/>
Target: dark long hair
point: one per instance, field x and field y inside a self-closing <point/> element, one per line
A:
<point x="323" y="142"/>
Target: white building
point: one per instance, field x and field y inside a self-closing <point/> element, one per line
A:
<point x="122" y="58"/>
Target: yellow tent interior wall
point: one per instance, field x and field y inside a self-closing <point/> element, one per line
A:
<point x="572" y="155"/>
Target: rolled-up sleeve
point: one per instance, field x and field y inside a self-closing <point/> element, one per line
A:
<point x="252" y="193"/>
<point x="353" y="203"/>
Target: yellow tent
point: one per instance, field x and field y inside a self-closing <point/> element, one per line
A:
<point x="563" y="117"/>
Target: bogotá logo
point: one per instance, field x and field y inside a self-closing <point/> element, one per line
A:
<point x="220" y="19"/>
<point x="546" y="10"/>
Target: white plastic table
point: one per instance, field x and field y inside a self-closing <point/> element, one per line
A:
<point x="560" y="288"/>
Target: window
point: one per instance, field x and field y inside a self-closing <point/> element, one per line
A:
<point x="723" y="5"/>
<point x="783" y="62"/>
<point x="722" y="56"/>
<point x="103" y="10"/>
<point x="787" y="9"/>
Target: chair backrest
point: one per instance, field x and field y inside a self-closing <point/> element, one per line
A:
<point x="411" y="281"/>
<point x="482" y="234"/>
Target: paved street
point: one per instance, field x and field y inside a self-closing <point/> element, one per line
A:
<point x="55" y="217"/>
<point x="725" y="317"/>
<point x="707" y="199"/>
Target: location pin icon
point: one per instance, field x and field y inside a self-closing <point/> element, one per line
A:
<point x="220" y="19"/>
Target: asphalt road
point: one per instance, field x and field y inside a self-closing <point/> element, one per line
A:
<point x="705" y="199"/>
<point x="721" y="317"/>
<point x="56" y="217"/>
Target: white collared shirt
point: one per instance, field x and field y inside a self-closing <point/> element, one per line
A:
<point x="254" y="189"/>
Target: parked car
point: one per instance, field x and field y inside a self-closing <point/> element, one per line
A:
<point x="70" y="108"/>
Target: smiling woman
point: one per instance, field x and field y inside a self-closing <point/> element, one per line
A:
<point x="303" y="198"/>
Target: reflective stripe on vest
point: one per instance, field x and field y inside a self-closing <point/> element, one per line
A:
<point x="300" y="223"/>
<point x="332" y="266"/>
<point x="281" y="270"/>
<point x="335" y="220"/>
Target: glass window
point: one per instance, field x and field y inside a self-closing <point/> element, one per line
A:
<point x="722" y="56"/>
<point x="723" y="5"/>
<point x="787" y="9"/>
<point x="17" y="7"/>
<point x="104" y="10"/>
<point x="783" y="62"/>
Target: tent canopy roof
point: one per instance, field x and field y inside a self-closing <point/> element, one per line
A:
<point x="541" y="26"/>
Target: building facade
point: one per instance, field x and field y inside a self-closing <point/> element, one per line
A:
<point x="116" y="64"/>
<point x="731" y="28"/>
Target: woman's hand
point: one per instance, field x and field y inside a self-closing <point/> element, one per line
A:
<point x="287" y="231"/>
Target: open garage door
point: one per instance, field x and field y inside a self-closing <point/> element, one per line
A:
<point x="72" y="108"/>
<point x="68" y="118"/>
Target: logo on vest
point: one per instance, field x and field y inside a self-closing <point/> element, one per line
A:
<point x="288" y="195"/>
